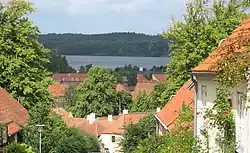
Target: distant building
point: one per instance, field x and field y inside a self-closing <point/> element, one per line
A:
<point x="69" y="78"/>
<point x="109" y="130"/>
<point x="159" y="77"/>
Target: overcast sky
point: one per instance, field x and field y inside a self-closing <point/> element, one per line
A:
<point x="102" y="16"/>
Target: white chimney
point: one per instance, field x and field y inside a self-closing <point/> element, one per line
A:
<point x="158" y="109"/>
<point x="110" y="118"/>
<point x="125" y="111"/>
<point x="91" y="118"/>
<point x="70" y="114"/>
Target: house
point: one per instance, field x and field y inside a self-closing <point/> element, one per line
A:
<point x="159" y="77"/>
<point x="109" y="130"/>
<point x="206" y="87"/>
<point x="166" y="118"/>
<point x="69" y="78"/>
<point x="143" y="85"/>
<point x="12" y="115"/>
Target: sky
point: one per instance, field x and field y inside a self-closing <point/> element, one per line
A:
<point x="104" y="16"/>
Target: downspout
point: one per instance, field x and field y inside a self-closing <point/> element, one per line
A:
<point x="195" y="104"/>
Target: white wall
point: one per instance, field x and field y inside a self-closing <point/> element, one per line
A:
<point x="210" y="98"/>
<point x="106" y="139"/>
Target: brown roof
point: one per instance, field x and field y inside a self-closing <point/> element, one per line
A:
<point x="121" y="87"/>
<point x="69" y="77"/>
<point x="147" y="86"/>
<point x="170" y="112"/>
<point x="242" y="32"/>
<point x="57" y="89"/>
<point x="160" y="77"/>
<point x="101" y="125"/>
<point x="12" y="112"/>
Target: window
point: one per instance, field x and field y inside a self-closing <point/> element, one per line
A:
<point x="241" y="106"/>
<point x="113" y="138"/>
<point x="204" y="95"/>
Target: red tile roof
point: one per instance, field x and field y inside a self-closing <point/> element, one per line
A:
<point x="12" y="112"/>
<point x="57" y="89"/>
<point x="69" y="77"/>
<point x="121" y="87"/>
<point x="147" y="86"/>
<point x="170" y="112"/>
<point x="242" y="32"/>
<point x="101" y="125"/>
<point x="160" y="77"/>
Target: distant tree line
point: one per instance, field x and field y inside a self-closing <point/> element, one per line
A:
<point x="110" y="44"/>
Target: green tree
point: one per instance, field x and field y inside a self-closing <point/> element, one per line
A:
<point x="23" y="59"/>
<point x="135" y="133"/>
<point x="76" y="141"/>
<point x="124" y="100"/>
<point x="96" y="94"/>
<point x="19" y="148"/>
<point x="200" y="33"/>
<point x="59" y="64"/>
<point x="179" y="139"/>
<point x="143" y="103"/>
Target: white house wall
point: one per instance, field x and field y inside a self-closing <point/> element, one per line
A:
<point x="106" y="140"/>
<point x="212" y="87"/>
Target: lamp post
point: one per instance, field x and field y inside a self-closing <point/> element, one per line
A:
<point x="40" y="127"/>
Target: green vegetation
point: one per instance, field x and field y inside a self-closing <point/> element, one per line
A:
<point x="138" y="132"/>
<point x="191" y="40"/>
<point x="143" y="103"/>
<point x="111" y="44"/>
<point x="96" y="94"/>
<point x="19" y="148"/>
<point x="59" y="64"/>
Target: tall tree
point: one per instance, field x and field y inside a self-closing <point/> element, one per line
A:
<point x="191" y="40"/>
<point x="96" y="94"/>
<point x="22" y="57"/>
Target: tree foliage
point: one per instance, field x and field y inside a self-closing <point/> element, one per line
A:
<point x="135" y="133"/>
<point x="19" y="148"/>
<point x="192" y="40"/>
<point x="143" y="103"/>
<point x="59" y="64"/>
<point x="110" y="44"/>
<point x="179" y="139"/>
<point x="22" y="58"/>
<point x="97" y="94"/>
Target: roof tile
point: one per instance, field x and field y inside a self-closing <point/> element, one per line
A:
<point x="170" y="112"/>
<point x="240" y="33"/>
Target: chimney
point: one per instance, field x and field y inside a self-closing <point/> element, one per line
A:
<point x="91" y="118"/>
<point x="125" y="111"/>
<point x="70" y="114"/>
<point x="158" y="109"/>
<point x="110" y="118"/>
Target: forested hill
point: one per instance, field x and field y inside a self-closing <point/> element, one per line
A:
<point x="111" y="44"/>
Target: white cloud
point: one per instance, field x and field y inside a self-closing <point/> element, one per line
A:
<point x="90" y="16"/>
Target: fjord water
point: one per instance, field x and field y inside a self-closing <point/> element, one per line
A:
<point x="115" y="61"/>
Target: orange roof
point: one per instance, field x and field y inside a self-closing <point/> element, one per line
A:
<point x="57" y="89"/>
<point x="170" y="112"/>
<point x="12" y="112"/>
<point x="101" y="125"/>
<point x="147" y="86"/>
<point x="121" y="87"/>
<point x="69" y="77"/>
<point x="160" y="77"/>
<point x="242" y="32"/>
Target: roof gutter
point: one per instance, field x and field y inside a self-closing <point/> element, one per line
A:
<point x="161" y="122"/>
<point x="202" y="73"/>
<point x="195" y="104"/>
